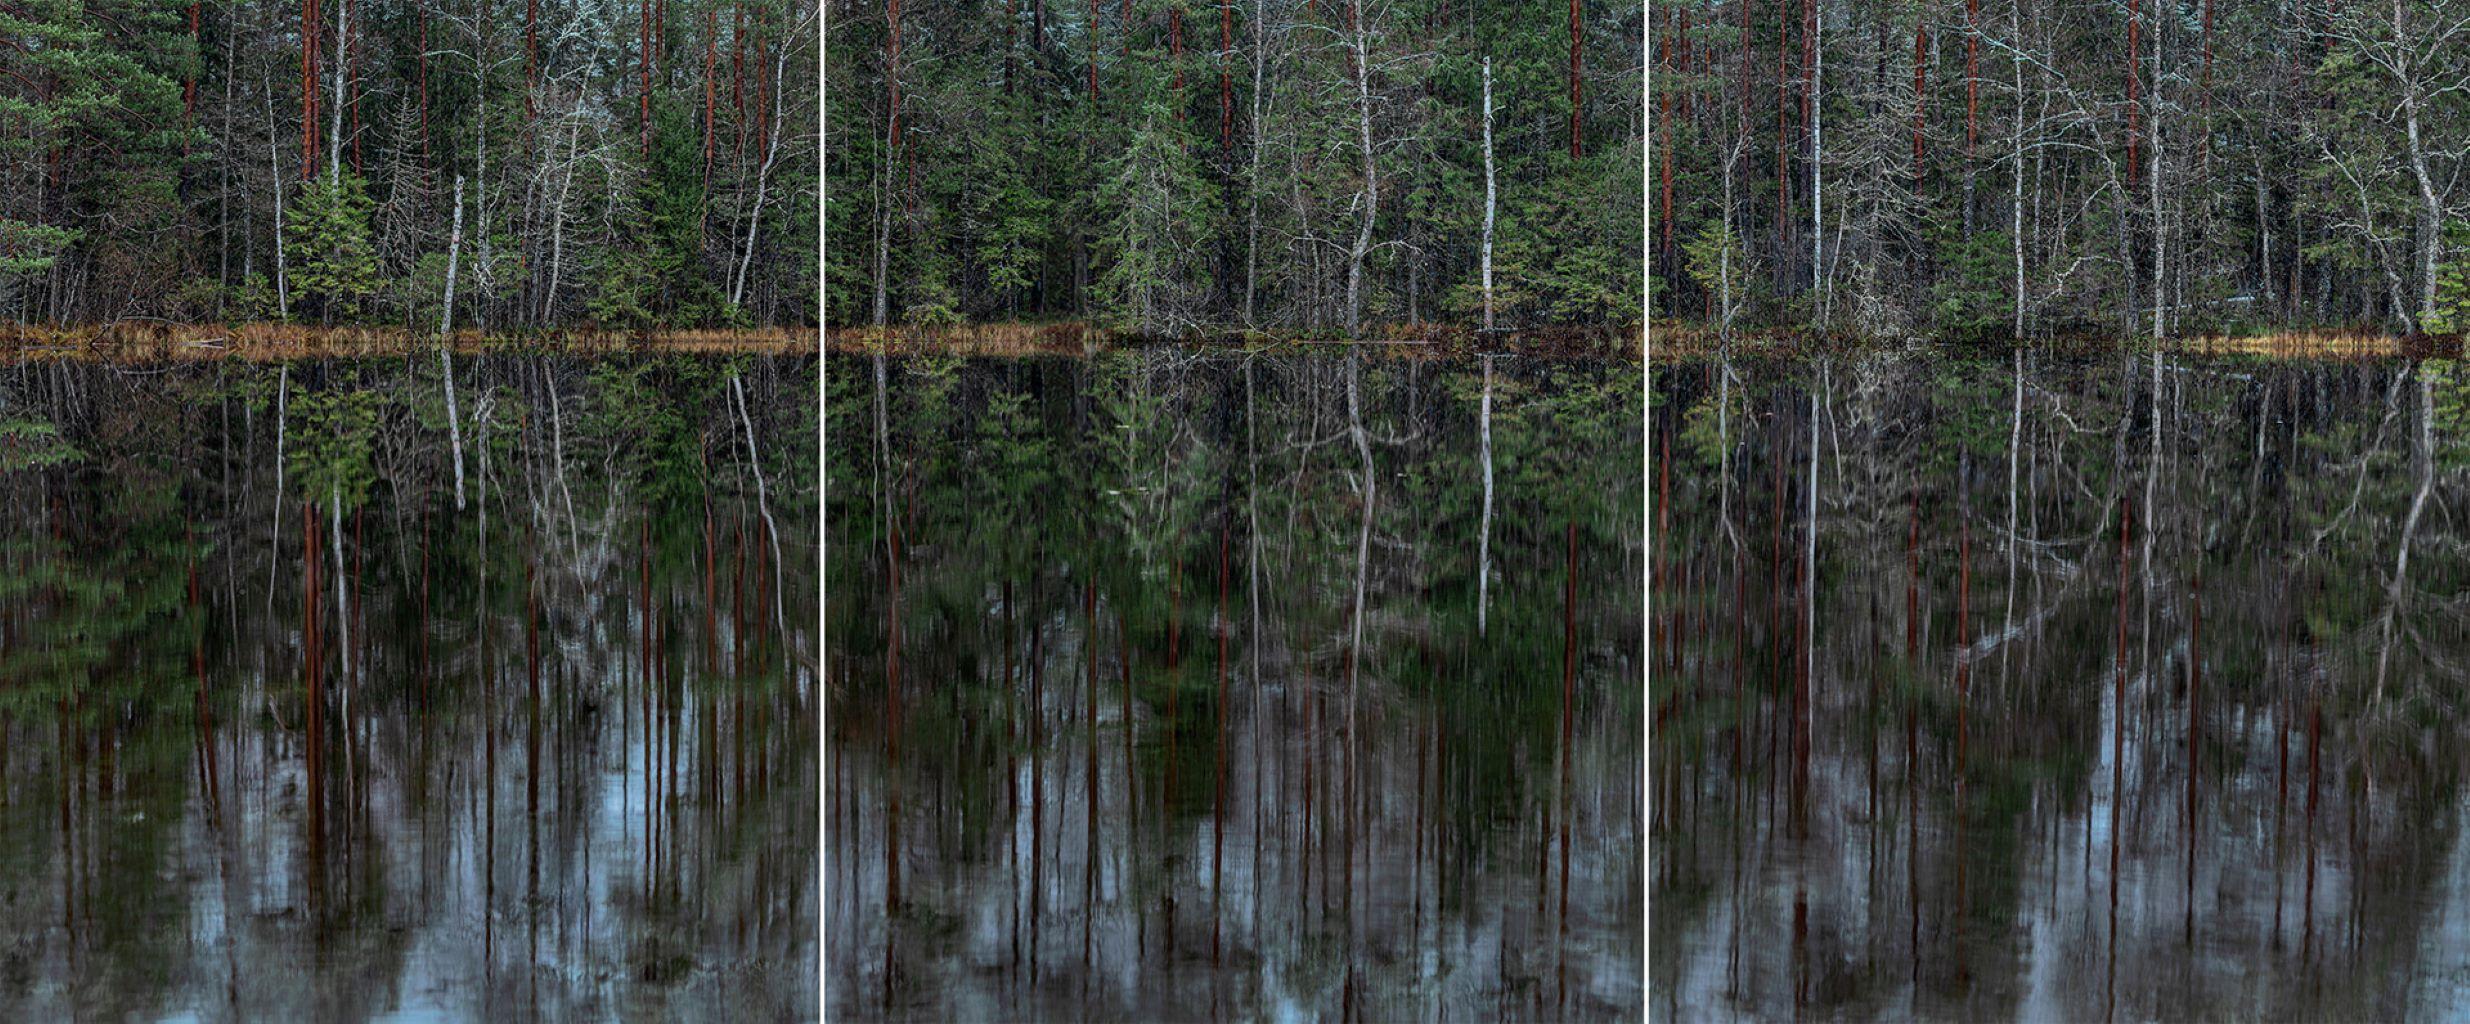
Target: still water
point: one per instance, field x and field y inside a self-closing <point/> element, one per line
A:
<point x="302" y="720"/>
<point x="2060" y="690"/>
<point x="1177" y="685"/>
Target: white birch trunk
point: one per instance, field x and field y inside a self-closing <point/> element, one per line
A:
<point x="2153" y="182"/>
<point x="2015" y="176"/>
<point x="274" y="164"/>
<point x="763" y="503"/>
<point x="1252" y="186"/>
<point x="1491" y="197"/>
<point x="446" y="343"/>
<point x="342" y="611"/>
<point x="1372" y="180"/>
<point x="334" y="118"/>
<point x="1483" y="536"/>
<point x="1818" y="163"/>
<point x="737" y="283"/>
<point x="282" y="416"/>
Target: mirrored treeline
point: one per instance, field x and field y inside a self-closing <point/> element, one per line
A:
<point x="2052" y="689"/>
<point x="1204" y="684"/>
<point x="312" y="708"/>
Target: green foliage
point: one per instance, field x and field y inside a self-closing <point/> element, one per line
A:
<point x="1974" y="289"/>
<point x="1008" y="216"/>
<point x="2451" y="314"/>
<point x="2448" y="392"/>
<point x="634" y="423"/>
<point x="336" y="263"/>
<point x="1557" y="258"/>
<point x="30" y="248"/>
<point x="331" y="445"/>
<point x="1708" y="426"/>
<point x="933" y="305"/>
<point x="34" y="444"/>
<point x="667" y="233"/>
<point x="1718" y="261"/>
<point x="94" y="80"/>
<point x="1160" y="209"/>
<point x="622" y="289"/>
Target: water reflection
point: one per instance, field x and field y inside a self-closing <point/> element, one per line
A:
<point x="285" y="736"/>
<point x="2125" y="689"/>
<point x="1174" y="685"/>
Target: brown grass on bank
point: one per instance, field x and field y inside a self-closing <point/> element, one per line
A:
<point x="1674" y="342"/>
<point x="2332" y="344"/>
<point x="1077" y="338"/>
<point x="148" y="340"/>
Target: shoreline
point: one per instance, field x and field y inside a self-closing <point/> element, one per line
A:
<point x="1080" y="339"/>
<point x="1683" y="342"/>
<point x="155" y="340"/>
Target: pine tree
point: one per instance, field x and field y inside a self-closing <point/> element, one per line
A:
<point x="91" y="133"/>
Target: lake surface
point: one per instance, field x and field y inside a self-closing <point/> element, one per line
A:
<point x="1185" y="685"/>
<point x="2060" y="690"/>
<point x="560" y="758"/>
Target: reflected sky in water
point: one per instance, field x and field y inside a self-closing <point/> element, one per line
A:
<point x="2060" y="690"/>
<point x="560" y="761"/>
<point x="1193" y="685"/>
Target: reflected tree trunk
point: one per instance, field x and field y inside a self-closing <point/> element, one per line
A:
<point x="1483" y="535"/>
<point x="2423" y="461"/>
<point x="1217" y="838"/>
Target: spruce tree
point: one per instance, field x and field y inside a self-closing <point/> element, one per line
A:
<point x="329" y="229"/>
<point x="1158" y="212"/>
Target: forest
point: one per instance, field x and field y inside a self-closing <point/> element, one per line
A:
<point x="482" y="164"/>
<point x="1168" y="167"/>
<point x="2024" y="169"/>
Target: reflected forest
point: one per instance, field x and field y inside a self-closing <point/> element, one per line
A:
<point x="2049" y="689"/>
<point x="1215" y="684"/>
<point x="328" y="693"/>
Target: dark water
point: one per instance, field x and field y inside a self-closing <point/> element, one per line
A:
<point x="561" y="761"/>
<point x="2064" y="691"/>
<point x="1182" y="686"/>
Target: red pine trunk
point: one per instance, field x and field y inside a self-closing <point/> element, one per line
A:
<point x="1663" y="115"/>
<point x="188" y="87"/>
<point x="1741" y="85"/>
<point x="308" y="88"/>
<point x="1783" y="121"/>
